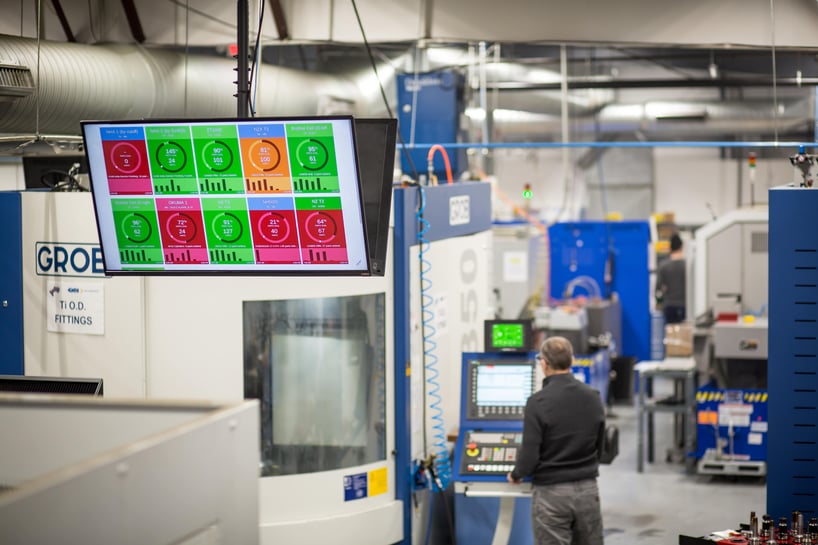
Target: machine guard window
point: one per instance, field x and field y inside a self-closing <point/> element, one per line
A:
<point x="317" y="366"/>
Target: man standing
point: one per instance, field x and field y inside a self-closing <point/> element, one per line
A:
<point x="671" y="281"/>
<point x="563" y="430"/>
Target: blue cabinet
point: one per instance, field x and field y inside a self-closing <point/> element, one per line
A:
<point x="615" y="255"/>
<point x="792" y="365"/>
<point x="429" y="108"/>
<point x="11" y="284"/>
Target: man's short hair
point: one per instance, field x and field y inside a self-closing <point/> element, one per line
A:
<point x="558" y="352"/>
<point x="675" y="242"/>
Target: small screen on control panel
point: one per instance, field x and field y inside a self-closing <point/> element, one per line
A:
<point x="508" y="335"/>
<point x="499" y="389"/>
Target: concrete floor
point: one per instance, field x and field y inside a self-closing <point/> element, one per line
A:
<point x="654" y="507"/>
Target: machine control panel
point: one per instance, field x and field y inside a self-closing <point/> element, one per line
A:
<point x="489" y="453"/>
<point x="498" y="389"/>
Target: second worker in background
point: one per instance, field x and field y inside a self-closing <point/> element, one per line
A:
<point x="671" y="282"/>
<point x="563" y="431"/>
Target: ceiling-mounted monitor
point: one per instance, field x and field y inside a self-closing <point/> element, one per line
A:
<point x="275" y="196"/>
<point x="376" y="138"/>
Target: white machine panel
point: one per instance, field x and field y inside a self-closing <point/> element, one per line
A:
<point x="460" y="277"/>
<point x="57" y="226"/>
<point x="98" y="472"/>
<point x="182" y="338"/>
<point x="731" y="257"/>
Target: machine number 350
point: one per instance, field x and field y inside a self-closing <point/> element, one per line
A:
<point x="468" y="301"/>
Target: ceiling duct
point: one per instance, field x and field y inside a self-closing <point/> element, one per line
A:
<point x="107" y="82"/>
<point x="686" y="120"/>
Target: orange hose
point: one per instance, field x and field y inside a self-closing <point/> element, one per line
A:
<point x="430" y="158"/>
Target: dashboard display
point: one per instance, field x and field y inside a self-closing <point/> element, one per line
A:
<point x="260" y="196"/>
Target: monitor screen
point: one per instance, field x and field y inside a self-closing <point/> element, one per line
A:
<point x="508" y="335"/>
<point x="503" y="385"/>
<point x="376" y="140"/>
<point x="260" y="196"/>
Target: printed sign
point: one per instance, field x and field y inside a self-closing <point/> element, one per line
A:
<point x="76" y="307"/>
<point x="737" y="415"/>
<point x="378" y="482"/>
<point x="459" y="210"/>
<point x="355" y="487"/>
<point x="362" y="485"/>
<point x="515" y="266"/>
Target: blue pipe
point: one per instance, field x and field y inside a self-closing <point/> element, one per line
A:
<point x="634" y="144"/>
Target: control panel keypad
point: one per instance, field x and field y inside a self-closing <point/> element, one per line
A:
<point x="490" y="453"/>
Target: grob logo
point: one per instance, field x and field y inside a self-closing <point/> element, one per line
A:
<point x="68" y="259"/>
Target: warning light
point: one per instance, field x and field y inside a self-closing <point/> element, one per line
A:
<point x="527" y="191"/>
<point x="233" y="50"/>
<point x="752" y="159"/>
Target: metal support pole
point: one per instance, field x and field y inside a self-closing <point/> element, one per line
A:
<point x="243" y="69"/>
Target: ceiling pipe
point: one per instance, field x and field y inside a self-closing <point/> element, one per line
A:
<point x="652" y="83"/>
<point x="109" y="82"/>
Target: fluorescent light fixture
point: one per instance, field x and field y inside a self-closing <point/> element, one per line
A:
<point x="476" y="114"/>
<point x="675" y="111"/>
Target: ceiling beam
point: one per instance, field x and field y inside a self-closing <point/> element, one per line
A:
<point x="280" y="20"/>
<point x="133" y="21"/>
<point x="69" y="35"/>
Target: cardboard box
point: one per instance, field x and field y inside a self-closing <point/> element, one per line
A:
<point x="679" y="340"/>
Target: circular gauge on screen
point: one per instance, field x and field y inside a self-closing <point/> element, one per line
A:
<point x="126" y="157"/>
<point x="136" y="227"/>
<point x="227" y="227"/>
<point x="217" y="156"/>
<point x="181" y="227"/>
<point x="321" y="227"/>
<point x="273" y="227"/>
<point x="265" y="155"/>
<point x="312" y="154"/>
<point x="171" y="156"/>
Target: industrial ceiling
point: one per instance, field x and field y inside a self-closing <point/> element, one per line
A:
<point x="655" y="70"/>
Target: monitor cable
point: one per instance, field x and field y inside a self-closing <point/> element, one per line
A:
<point x="403" y="147"/>
<point x="59" y="180"/>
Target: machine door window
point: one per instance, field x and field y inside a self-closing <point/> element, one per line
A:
<point x="317" y="366"/>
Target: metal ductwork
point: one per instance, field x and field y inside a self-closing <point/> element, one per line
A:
<point x="696" y="120"/>
<point x="119" y="81"/>
<point x="79" y="82"/>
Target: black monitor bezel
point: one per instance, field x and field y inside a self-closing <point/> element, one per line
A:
<point x="472" y="364"/>
<point x="379" y="225"/>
